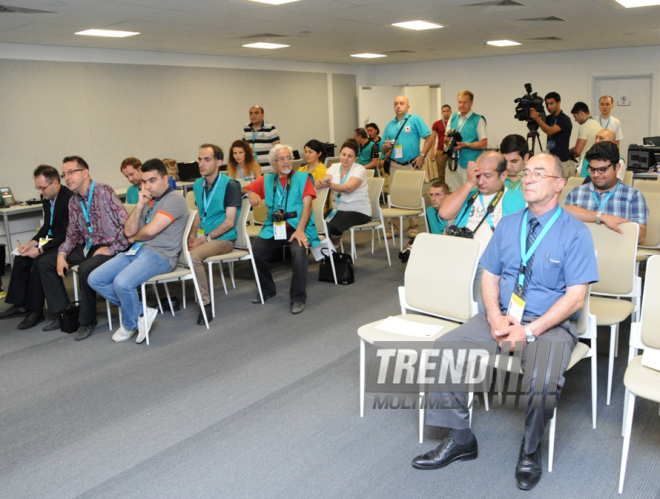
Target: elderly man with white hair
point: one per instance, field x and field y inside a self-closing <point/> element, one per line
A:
<point x="288" y="196"/>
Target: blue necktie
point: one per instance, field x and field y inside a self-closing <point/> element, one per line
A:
<point x="532" y="233"/>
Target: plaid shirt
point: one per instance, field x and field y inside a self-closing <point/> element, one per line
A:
<point x="626" y="202"/>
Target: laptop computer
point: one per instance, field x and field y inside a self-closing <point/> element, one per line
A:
<point x="189" y="171"/>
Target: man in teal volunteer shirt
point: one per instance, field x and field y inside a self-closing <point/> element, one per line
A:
<point x="130" y="168"/>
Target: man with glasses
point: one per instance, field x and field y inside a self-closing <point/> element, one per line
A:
<point x="605" y="135"/>
<point x="606" y="200"/>
<point x="25" y="291"/>
<point x="537" y="271"/>
<point x="288" y="196"/>
<point x="94" y="235"/>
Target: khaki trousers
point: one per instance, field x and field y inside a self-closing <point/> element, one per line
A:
<point x="199" y="254"/>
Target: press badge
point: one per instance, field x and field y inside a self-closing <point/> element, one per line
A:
<point x="200" y="232"/>
<point x="44" y="240"/>
<point x="407" y="129"/>
<point x="398" y="151"/>
<point x="279" y="229"/>
<point x="134" y="249"/>
<point x="516" y="307"/>
<point x="88" y="246"/>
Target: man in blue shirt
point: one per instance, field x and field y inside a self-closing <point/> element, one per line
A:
<point x="401" y="144"/>
<point x="560" y="266"/>
<point x="606" y="200"/>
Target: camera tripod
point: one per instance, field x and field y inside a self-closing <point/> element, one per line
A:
<point x="534" y="136"/>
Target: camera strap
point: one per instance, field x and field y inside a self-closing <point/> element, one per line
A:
<point x="401" y="127"/>
<point x="489" y="210"/>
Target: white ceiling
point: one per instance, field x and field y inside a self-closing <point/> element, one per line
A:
<point x="331" y="30"/>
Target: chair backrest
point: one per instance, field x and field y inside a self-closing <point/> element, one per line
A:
<point x="371" y="172"/>
<point x="129" y="207"/>
<point x="241" y="223"/>
<point x="650" y="310"/>
<point x="652" y="239"/>
<point x="190" y="200"/>
<point x="317" y="209"/>
<point x="184" y="256"/>
<point x="295" y="164"/>
<point x="647" y="185"/>
<point x="260" y="213"/>
<point x="406" y="189"/>
<point x="617" y="254"/>
<point x="331" y="160"/>
<point x="564" y="192"/>
<point x="443" y="288"/>
<point x="628" y="178"/>
<point x="574" y="181"/>
<point x="375" y="186"/>
<point x="583" y="320"/>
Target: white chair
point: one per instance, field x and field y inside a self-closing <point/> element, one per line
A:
<point x="322" y="226"/>
<point x="405" y="199"/>
<point x="628" y="178"/>
<point x="455" y="260"/>
<point x="574" y="181"/>
<point x="647" y="186"/>
<point x="375" y="186"/>
<point x="371" y="172"/>
<point x="651" y="244"/>
<point x="242" y="251"/>
<point x="74" y="271"/>
<point x="564" y="192"/>
<point x="329" y="161"/>
<point x="640" y="380"/>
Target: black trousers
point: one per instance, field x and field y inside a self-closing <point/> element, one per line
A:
<point x="344" y="220"/>
<point x="263" y="250"/>
<point x="53" y="285"/>
<point x="25" y="289"/>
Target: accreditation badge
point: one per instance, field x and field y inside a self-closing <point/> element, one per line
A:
<point x="44" y="240"/>
<point x="407" y="129"/>
<point x="398" y="151"/>
<point x="88" y="246"/>
<point x="200" y="233"/>
<point x="134" y="249"/>
<point x="516" y="307"/>
<point x="279" y="230"/>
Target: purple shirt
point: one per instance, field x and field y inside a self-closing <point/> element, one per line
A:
<point x="107" y="217"/>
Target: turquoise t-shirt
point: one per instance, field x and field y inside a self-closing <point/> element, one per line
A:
<point x="437" y="225"/>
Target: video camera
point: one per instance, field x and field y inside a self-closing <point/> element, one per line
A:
<point x="527" y="102"/>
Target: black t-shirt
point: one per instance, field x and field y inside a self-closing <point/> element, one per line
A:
<point x="558" y="144"/>
<point x="233" y="196"/>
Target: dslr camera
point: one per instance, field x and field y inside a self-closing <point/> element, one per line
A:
<point x="464" y="232"/>
<point x="282" y="216"/>
<point x="527" y="102"/>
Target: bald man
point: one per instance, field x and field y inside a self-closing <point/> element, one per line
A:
<point x="401" y="141"/>
<point x="604" y="135"/>
<point x="261" y="136"/>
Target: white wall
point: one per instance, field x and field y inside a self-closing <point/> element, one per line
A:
<point x="497" y="81"/>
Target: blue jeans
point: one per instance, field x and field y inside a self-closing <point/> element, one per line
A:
<point x="117" y="280"/>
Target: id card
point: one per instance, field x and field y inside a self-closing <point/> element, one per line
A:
<point x="279" y="229"/>
<point x="88" y="246"/>
<point x="331" y="215"/>
<point x="200" y="233"/>
<point x="44" y="240"/>
<point x="551" y="145"/>
<point x="516" y="307"/>
<point x="134" y="249"/>
<point x="398" y="151"/>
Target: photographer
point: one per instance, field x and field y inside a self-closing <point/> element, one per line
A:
<point x="558" y="127"/>
<point x="479" y="204"/>
<point x="288" y="196"/>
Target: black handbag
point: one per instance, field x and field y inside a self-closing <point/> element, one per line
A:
<point x="69" y="318"/>
<point x="343" y="267"/>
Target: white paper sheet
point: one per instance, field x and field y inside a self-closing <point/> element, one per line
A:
<point x="15" y="251"/>
<point x="397" y="325"/>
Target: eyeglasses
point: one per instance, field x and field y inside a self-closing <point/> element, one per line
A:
<point x="42" y="189"/>
<point x="281" y="160"/>
<point x="601" y="170"/>
<point x="537" y="175"/>
<point x="71" y="172"/>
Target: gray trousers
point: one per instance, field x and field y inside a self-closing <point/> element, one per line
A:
<point x="477" y="330"/>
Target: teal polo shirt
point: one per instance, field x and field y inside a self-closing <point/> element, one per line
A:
<point x="412" y="132"/>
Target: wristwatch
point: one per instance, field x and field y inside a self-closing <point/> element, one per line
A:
<point x="598" y="215"/>
<point x="529" y="336"/>
<point x="208" y="238"/>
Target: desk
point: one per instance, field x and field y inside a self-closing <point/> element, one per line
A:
<point x="121" y="193"/>
<point x="16" y="210"/>
<point x="184" y="186"/>
<point x="645" y="176"/>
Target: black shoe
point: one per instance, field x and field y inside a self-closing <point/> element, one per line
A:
<point x="209" y="315"/>
<point x="297" y="307"/>
<point x="31" y="320"/>
<point x="529" y="468"/>
<point x="53" y="326"/>
<point x="257" y="299"/>
<point x="85" y="331"/>
<point x="13" y="311"/>
<point x="445" y="453"/>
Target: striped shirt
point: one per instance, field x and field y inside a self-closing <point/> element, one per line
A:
<point x="626" y="202"/>
<point x="261" y="141"/>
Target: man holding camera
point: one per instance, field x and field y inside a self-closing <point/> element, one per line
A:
<point x="473" y="139"/>
<point x="218" y="200"/>
<point x="558" y="127"/>
<point x="480" y="203"/>
<point x="288" y="196"/>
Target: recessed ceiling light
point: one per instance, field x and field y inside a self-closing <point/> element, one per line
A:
<point x="368" y="56"/>
<point x="417" y="25"/>
<point x="262" y="45"/>
<point x="107" y="32"/>
<point x="502" y="43"/>
<point x="629" y="4"/>
<point x="274" y="2"/>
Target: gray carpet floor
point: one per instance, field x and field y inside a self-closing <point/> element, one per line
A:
<point x="265" y="404"/>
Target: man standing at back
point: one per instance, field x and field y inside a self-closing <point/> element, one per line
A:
<point x="607" y="121"/>
<point x="586" y="134"/>
<point x="218" y="200"/>
<point x="94" y="235"/>
<point x="261" y="136"/>
<point x="474" y="138"/>
<point x="558" y="127"/>
<point x="438" y="131"/>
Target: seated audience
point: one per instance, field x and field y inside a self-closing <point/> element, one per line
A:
<point x="242" y="165"/>
<point x="130" y="168"/>
<point x="94" y="235"/>
<point x="154" y="228"/>
<point x="515" y="150"/>
<point x="25" y="291"/>
<point x="438" y="192"/>
<point x="218" y="200"/>
<point x="288" y="195"/>
<point x="369" y="151"/>
<point x="348" y="180"/>
<point x="314" y="151"/>
<point x="606" y="200"/>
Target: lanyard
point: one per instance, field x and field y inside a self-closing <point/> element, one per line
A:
<point x="602" y="203"/>
<point x="490" y="220"/>
<point x="281" y="192"/>
<point x="86" y="210"/>
<point x="508" y="184"/>
<point x="526" y="255"/>
<point x="606" y="124"/>
<point x="254" y="135"/>
<point x="52" y="212"/>
<point x="342" y="180"/>
<point x="238" y="167"/>
<point x="460" y="126"/>
<point x="205" y="201"/>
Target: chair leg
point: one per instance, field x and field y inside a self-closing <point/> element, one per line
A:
<point x="421" y="417"/>
<point x="486" y="401"/>
<point x="169" y="298"/>
<point x="610" y="367"/>
<point x="212" y="290"/>
<point x="373" y="237"/>
<point x="616" y="345"/>
<point x="75" y="286"/>
<point x="222" y="275"/>
<point x="400" y="233"/>
<point x="144" y="309"/>
<point x="626" y="440"/>
<point x="469" y="402"/>
<point x="393" y="234"/>
<point x="231" y="274"/>
<point x="183" y="292"/>
<point x="107" y="308"/>
<point x="160" y="307"/>
<point x="256" y="278"/>
<point x="387" y="248"/>
<point x="594" y="383"/>
<point x="551" y="451"/>
<point x="332" y="264"/>
<point x="362" y="376"/>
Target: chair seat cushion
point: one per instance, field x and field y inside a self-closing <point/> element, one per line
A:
<point x="368" y="225"/>
<point x="234" y="255"/>
<point x="644" y="254"/>
<point x="400" y="212"/>
<point x="370" y="334"/>
<point x="642" y="381"/>
<point x="609" y="311"/>
<point x="253" y="230"/>
<point x="579" y="352"/>
<point x="177" y="273"/>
